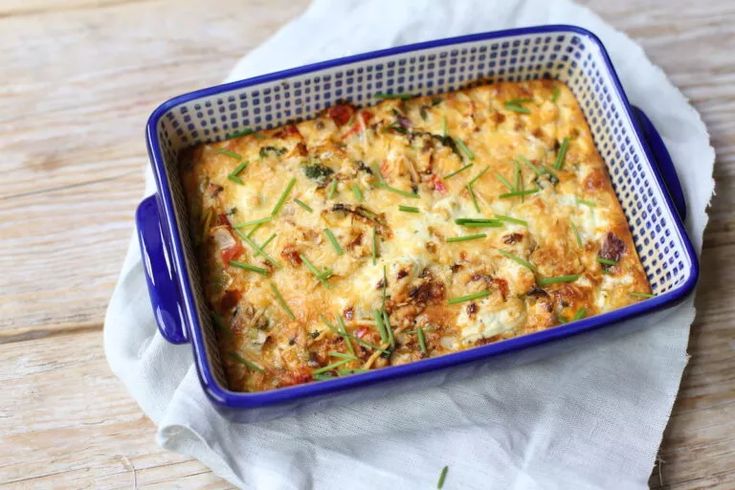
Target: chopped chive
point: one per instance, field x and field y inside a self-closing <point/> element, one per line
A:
<point x="332" y="189"/>
<point x="478" y="223"/>
<point x="586" y="202"/>
<point x="284" y="195"/>
<point x="249" y="267"/>
<point x="229" y="153"/>
<point x="385" y="286"/>
<point x="347" y="372"/>
<point x="577" y="235"/>
<point x="257" y="248"/>
<point x="538" y="170"/>
<point x="442" y="477"/>
<point x="254" y="229"/>
<point x="342" y="355"/>
<point x="444" y="126"/>
<point x="464" y="149"/>
<point x="555" y="93"/>
<point x="303" y="205"/>
<point x="323" y="377"/>
<point x="510" y="219"/>
<point x="581" y="313"/>
<point x="452" y="174"/>
<point x="384" y="96"/>
<point x="518" y="193"/>
<point x="545" y="281"/>
<point x="505" y="182"/>
<point x="515" y="105"/>
<point x="333" y="240"/>
<point x="605" y="261"/>
<point x="422" y="339"/>
<point x="518" y="260"/>
<point x="240" y="167"/>
<point x="375" y="247"/>
<point x="389" y="329"/>
<point x="235" y="179"/>
<point x="465" y="238"/>
<point x="387" y="187"/>
<point x="357" y="192"/>
<point x="237" y="134"/>
<point x="265" y="244"/>
<point x="342" y="330"/>
<point x="641" y="295"/>
<point x="408" y="209"/>
<point x="380" y="326"/>
<point x="519" y="179"/>
<point x="248" y="364"/>
<point x="321" y="276"/>
<point x="258" y="221"/>
<point x="282" y="302"/>
<point x="476" y="177"/>
<point x="330" y="367"/>
<point x="561" y="156"/>
<point x="474" y="198"/>
<point x="468" y="297"/>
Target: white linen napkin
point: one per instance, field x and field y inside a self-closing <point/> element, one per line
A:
<point x="589" y="416"/>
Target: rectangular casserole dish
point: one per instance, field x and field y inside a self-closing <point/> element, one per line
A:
<point x="640" y="169"/>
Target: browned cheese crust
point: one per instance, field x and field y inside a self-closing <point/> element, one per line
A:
<point x="396" y="184"/>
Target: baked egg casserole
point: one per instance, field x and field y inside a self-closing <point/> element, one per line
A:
<point x="412" y="228"/>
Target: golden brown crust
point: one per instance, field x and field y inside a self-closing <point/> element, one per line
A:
<point x="557" y="247"/>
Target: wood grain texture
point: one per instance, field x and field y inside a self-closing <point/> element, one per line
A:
<point x="79" y="80"/>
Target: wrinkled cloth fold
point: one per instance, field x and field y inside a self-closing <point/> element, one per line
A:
<point x="589" y="414"/>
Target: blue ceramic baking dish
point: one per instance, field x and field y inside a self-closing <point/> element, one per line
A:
<point x="641" y="170"/>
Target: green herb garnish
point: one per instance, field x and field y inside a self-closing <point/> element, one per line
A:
<point x="478" y="222"/>
<point x="510" y="219"/>
<point x="389" y="329"/>
<point x="641" y="295"/>
<point x="323" y="377"/>
<point x="474" y="198"/>
<point x="249" y="267"/>
<point x="464" y="149"/>
<point x="248" y="364"/>
<point x="581" y="313"/>
<point x="321" y="276"/>
<point x="342" y="330"/>
<point x="384" y="185"/>
<point x="516" y="105"/>
<point x="458" y="171"/>
<point x="258" y="221"/>
<point x="468" y="297"/>
<point x="585" y="202"/>
<point x="380" y="326"/>
<point x="442" y="477"/>
<point x="555" y="93"/>
<point x="518" y="260"/>
<point x="357" y="192"/>
<point x="576" y="234"/>
<point x="271" y="150"/>
<point x="333" y="240"/>
<point x="284" y="195"/>
<point x="505" y="182"/>
<point x="422" y="340"/>
<point x="408" y="209"/>
<point x="332" y="189"/>
<point x="229" y="153"/>
<point x="257" y="248"/>
<point x="347" y="372"/>
<point x="265" y="244"/>
<point x="238" y="134"/>
<point x="317" y="172"/>
<point x="331" y="367"/>
<point x="508" y="195"/>
<point x="303" y="205"/>
<point x="604" y="261"/>
<point x="282" y="302"/>
<point x="234" y="175"/>
<point x="342" y="355"/>
<point x="561" y="156"/>
<point x="385" y="96"/>
<point x="545" y="281"/>
<point x="465" y="238"/>
<point x="476" y="177"/>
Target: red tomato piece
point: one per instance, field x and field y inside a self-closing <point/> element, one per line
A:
<point x="341" y="113"/>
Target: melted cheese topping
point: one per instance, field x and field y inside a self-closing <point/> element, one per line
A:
<point x="557" y="247"/>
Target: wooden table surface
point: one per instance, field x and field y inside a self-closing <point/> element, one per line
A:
<point x="78" y="80"/>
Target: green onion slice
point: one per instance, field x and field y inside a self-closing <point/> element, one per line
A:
<point x="505" y="182"/>
<point x="282" y="302"/>
<point x="465" y="238"/>
<point x="518" y="260"/>
<point x="468" y="297"/>
<point x="258" y="221"/>
<point x="605" y="261"/>
<point x="229" y="153"/>
<point x="577" y="235"/>
<point x="581" y="313"/>
<point x="332" y="189"/>
<point x="422" y="339"/>
<point x="462" y="169"/>
<point x="248" y="364"/>
<point x="357" y="192"/>
<point x="249" y="267"/>
<point x="321" y="276"/>
<point x="518" y="193"/>
<point x="561" y="156"/>
<point x="387" y="187"/>
<point x="464" y="149"/>
<point x="408" y="209"/>
<point x="479" y="222"/>
<point x="333" y="240"/>
<point x="284" y="195"/>
<point x="303" y="205"/>
<point x="258" y="248"/>
<point x="510" y="219"/>
<point x="545" y="281"/>
<point x="442" y="477"/>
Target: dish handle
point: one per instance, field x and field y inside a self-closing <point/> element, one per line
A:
<point x="662" y="160"/>
<point x="159" y="273"/>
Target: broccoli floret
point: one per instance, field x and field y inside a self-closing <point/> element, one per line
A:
<point x="317" y="172"/>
